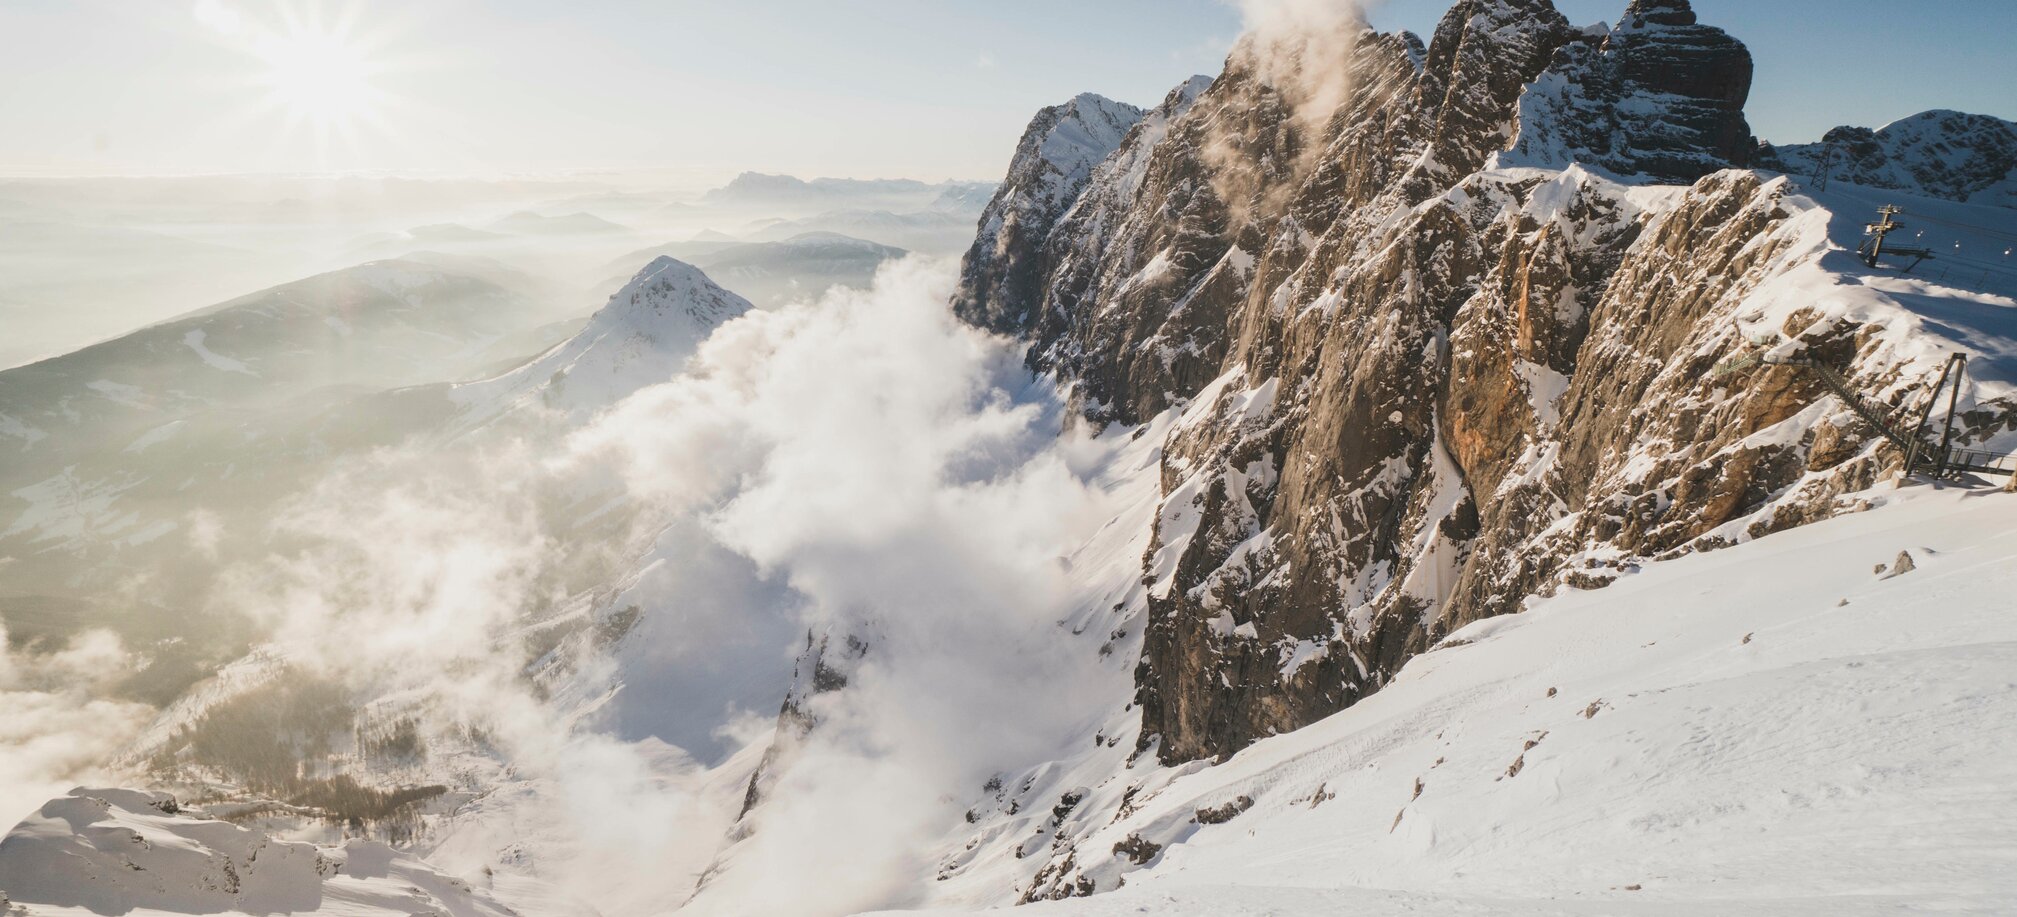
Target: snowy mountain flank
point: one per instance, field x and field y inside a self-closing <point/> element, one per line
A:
<point x="640" y="337"/>
<point x="109" y="851"/>
<point x="1393" y="476"/>
<point x="131" y="463"/>
<point x="1945" y="154"/>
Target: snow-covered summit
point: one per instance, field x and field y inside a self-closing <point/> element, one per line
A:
<point x="1086" y="131"/>
<point x="1052" y="166"/>
<point x="641" y="337"/>
<point x="1940" y="153"/>
<point x="670" y="289"/>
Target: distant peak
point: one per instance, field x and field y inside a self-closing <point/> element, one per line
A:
<point x="670" y="286"/>
<point x="1094" y="100"/>
<point x="667" y="263"/>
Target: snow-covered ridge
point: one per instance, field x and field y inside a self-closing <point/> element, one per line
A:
<point x="115" y="851"/>
<point x="1945" y="154"/>
<point x="1052" y="168"/>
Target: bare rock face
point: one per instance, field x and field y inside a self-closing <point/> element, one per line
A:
<point x="1417" y="385"/>
<point x="1051" y="167"/>
<point x="822" y="667"/>
<point x="1660" y="95"/>
<point x="1945" y="154"/>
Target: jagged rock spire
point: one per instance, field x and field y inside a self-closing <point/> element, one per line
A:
<point x="1661" y="95"/>
<point x="1052" y="164"/>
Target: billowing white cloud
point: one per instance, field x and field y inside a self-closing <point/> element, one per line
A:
<point x="873" y="467"/>
<point x="58" y="726"/>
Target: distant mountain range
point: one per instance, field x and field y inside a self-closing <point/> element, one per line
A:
<point x="117" y="453"/>
<point x="770" y="274"/>
<point x="788" y="193"/>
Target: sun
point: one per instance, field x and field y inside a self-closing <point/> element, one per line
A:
<point x="316" y="76"/>
<point x="321" y="83"/>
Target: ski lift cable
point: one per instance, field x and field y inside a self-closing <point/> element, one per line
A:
<point x="2004" y="234"/>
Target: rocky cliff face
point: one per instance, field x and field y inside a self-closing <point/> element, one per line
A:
<point x="1945" y="154"/>
<point x="1661" y="95"/>
<point x="1418" y="381"/>
<point x="1051" y="167"/>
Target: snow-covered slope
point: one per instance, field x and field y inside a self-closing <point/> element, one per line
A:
<point x="1808" y="724"/>
<point x="129" y="467"/>
<point x="1944" y="154"/>
<point x="112" y="851"/>
<point x="641" y="337"/>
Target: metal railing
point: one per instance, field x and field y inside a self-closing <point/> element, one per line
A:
<point x="1923" y="453"/>
<point x="1980" y="461"/>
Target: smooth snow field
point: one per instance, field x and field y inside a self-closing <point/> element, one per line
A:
<point x="1772" y="729"/>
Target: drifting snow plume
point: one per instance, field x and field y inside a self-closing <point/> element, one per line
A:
<point x="1303" y="50"/>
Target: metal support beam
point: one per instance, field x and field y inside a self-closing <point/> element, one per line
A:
<point x="1926" y="416"/>
<point x="1960" y="362"/>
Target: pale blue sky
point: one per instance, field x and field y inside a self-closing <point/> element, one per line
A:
<point x="703" y="88"/>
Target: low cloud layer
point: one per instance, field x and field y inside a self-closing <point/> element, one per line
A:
<point x="904" y="477"/>
<point x="864" y="466"/>
<point x="58" y="724"/>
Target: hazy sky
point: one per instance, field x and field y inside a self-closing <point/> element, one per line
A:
<point x="703" y="88"/>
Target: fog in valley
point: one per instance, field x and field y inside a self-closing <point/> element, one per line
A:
<point x="1263" y="461"/>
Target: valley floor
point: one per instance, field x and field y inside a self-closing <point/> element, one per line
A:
<point x="1785" y="727"/>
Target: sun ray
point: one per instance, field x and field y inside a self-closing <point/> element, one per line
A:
<point x="315" y="75"/>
